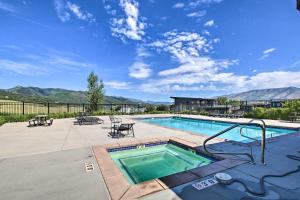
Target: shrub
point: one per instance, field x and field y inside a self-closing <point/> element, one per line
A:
<point x="163" y="108"/>
<point x="150" y="108"/>
<point x="2" y="120"/>
<point x="270" y="113"/>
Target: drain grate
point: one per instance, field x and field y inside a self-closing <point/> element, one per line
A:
<point x="89" y="167"/>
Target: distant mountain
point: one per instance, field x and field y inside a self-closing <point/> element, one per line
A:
<point x="266" y="94"/>
<point x="159" y="102"/>
<point x="36" y="94"/>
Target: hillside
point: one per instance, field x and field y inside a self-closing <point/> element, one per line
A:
<point x="266" y="94"/>
<point x="35" y="94"/>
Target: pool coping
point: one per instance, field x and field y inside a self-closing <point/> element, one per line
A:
<point x="120" y="188"/>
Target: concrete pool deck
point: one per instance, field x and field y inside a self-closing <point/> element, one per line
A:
<point x="48" y="162"/>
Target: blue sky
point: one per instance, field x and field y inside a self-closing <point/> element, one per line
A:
<point x="151" y="49"/>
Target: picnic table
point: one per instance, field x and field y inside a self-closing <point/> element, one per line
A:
<point x="41" y="119"/>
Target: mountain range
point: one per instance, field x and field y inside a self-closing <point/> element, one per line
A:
<point x="267" y="94"/>
<point x="35" y="94"/>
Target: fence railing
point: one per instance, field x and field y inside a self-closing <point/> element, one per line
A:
<point x="22" y="108"/>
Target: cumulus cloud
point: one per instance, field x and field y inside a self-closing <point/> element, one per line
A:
<point x="196" y="69"/>
<point x="129" y="24"/>
<point x="209" y="23"/>
<point x="139" y="70"/>
<point x="65" y="9"/>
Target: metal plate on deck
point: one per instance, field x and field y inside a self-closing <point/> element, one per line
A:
<point x="205" y="183"/>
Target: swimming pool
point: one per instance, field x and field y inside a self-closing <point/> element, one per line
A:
<point x="208" y="127"/>
<point x="147" y="163"/>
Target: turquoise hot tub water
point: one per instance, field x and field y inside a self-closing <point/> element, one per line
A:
<point x="143" y="164"/>
<point x="209" y="128"/>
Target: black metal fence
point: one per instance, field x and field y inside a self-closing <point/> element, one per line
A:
<point x="237" y="107"/>
<point x="22" y="108"/>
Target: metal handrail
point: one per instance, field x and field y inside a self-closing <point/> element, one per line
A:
<point x="245" y="136"/>
<point x="263" y="142"/>
<point x="241" y="129"/>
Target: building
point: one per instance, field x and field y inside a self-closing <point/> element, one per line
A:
<point x="182" y="104"/>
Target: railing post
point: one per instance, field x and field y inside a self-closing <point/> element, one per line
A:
<point x="48" y="108"/>
<point x="263" y="145"/>
<point x="23" y="108"/>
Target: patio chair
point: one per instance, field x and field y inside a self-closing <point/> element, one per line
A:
<point x="114" y="121"/>
<point x="49" y="122"/>
<point x="89" y="120"/>
<point x="126" y="127"/>
<point x="32" y="122"/>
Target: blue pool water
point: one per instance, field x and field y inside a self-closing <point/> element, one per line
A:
<point x="208" y="127"/>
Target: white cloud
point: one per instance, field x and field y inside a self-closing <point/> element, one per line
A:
<point x="200" y="13"/>
<point x="65" y="9"/>
<point x="184" y="46"/>
<point x="274" y="79"/>
<point x="178" y="5"/>
<point x="21" y="67"/>
<point x="50" y="62"/>
<point x="198" y="65"/>
<point x="139" y="70"/>
<point x="129" y="25"/>
<point x="62" y="14"/>
<point x="118" y="85"/>
<point x="196" y="3"/>
<point x="267" y="53"/>
<point x="196" y="70"/>
<point x="75" y="9"/>
<point x="209" y="23"/>
<point x="8" y="7"/>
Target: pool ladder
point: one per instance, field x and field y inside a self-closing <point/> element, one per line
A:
<point x="252" y="122"/>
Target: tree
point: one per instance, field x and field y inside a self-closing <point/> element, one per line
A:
<point x="222" y="100"/>
<point x="95" y="93"/>
<point x="163" y="108"/>
<point x="150" y="108"/>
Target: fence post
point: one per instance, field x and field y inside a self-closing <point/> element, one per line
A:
<point x="23" y="108"/>
<point x="111" y="108"/>
<point x="68" y="108"/>
<point x="48" y="108"/>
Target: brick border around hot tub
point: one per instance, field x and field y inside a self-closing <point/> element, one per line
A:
<point x="119" y="187"/>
